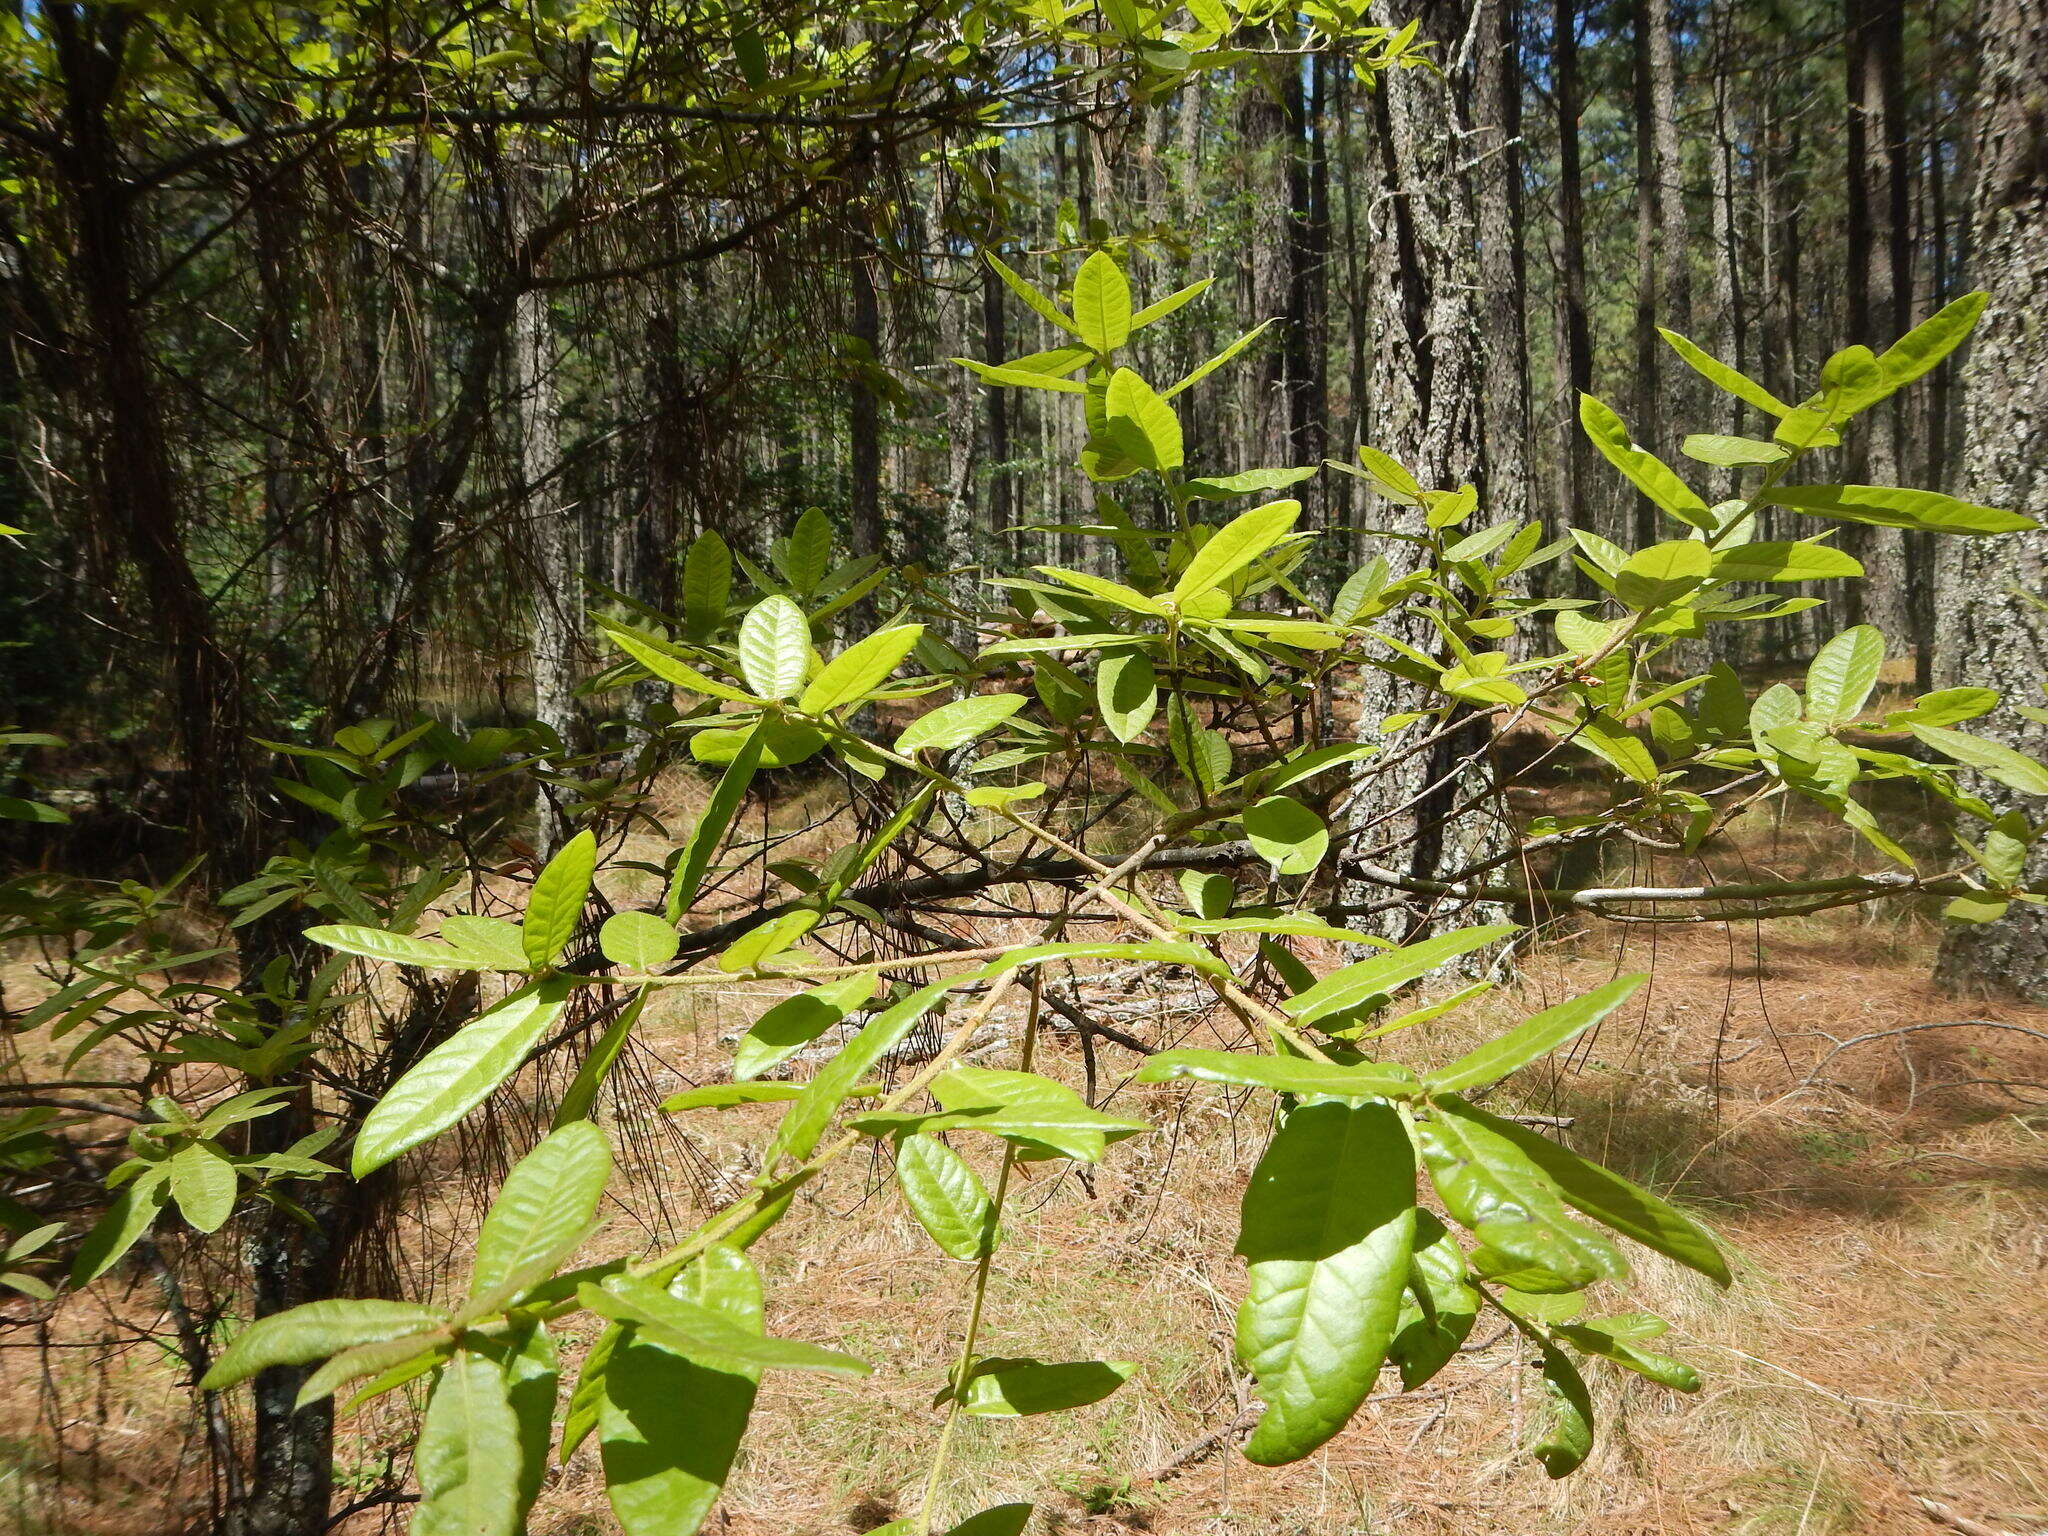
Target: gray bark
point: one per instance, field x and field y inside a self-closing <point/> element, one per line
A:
<point x="1988" y="635"/>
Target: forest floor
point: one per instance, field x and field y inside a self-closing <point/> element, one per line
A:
<point x="1880" y="1366"/>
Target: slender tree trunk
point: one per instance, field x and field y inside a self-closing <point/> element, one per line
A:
<point x="864" y="417"/>
<point x="1987" y="635"/>
<point x="1575" y="337"/>
<point x="1497" y="113"/>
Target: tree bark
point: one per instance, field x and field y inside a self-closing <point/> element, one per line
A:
<point x="1497" y="113"/>
<point x="1988" y="635"/>
<point x="1575" y="344"/>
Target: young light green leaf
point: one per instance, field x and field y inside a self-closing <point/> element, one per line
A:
<point x="401" y="948"/>
<point x="203" y="1182"/>
<point x="807" y="1118"/>
<point x="707" y="585"/>
<point x="1286" y="834"/>
<point x="796" y="1021"/>
<point x="555" y="905"/>
<point x="1234" y="546"/>
<point x="1328" y="1226"/>
<point x="955" y="724"/>
<point x="639" y="941"/>
<point x="1143" y="425"/>
<point x="2015" y="770"/>
<point x="1916" y="352"/>
<point x="469" y="1456"/>
<point x="1663" y="573"/>
<point x="1102" y="303"/>
<point x="944" y="1194"/>
<point x="1718" y="373"/>
<point x="1383" y="973"/>
<point x="1035" y="300"/>
<point x="545" y="1206"/>
<point x="489" y="939"/>
<point x="807" y="553"/>
<point x="775" y="647"/>
<point x="665" y="662"/>
<point x="859" y="669"/>
<point x="705" y="1335"/>
<point x="315" y="1331"/>
<point x="458" y="1074"/>
<point x="1774" y="561"/>
<point x="1126" y="692"/>
<point x="581" y="1097"/>
<point x="1161" y="308"/>
<point x="1532" y="1039"/>
<point x="128" y="1215"/>
<point x="1648" y="473"/>
<point x="1842" y="674"/>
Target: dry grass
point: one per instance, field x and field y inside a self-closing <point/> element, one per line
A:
<point x="1888" y="1335"/>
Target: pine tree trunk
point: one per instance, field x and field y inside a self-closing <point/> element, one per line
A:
<point x="1987" y="635"/>
<point x="1575" y="344"/>
<point x="1497" y="110"/>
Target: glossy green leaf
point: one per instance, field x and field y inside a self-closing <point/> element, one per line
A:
<point x="1601" y="1338"/>
<point x="1286" y="834"/>
<point x="665" y="662"/>
<point x="1648" y="473"/>
<point x="1033" y="299"/>
<point x="469" y="1454"/>
<point x="808" y="1116"/>
<point x="1102" y="303"/>
<point x="955" y="724"/>
<point x="701" y="1333"/>
<point x="1842" y="674"/>
<point x="1532" y="1039"/>
<point x="707" y="585"/>
<point x="702" y="845"/>
<point x="1492" y="1185"/>
<point x="1143" y="425"/>
<point x="545" y="1206"/>
<point x="1775" y="561"/>
<point x="1567" y="1437"/>
<point x="775" y="647"/>
<point x="859" y="669"/>
<point x="1126" y="693"/>
<point x="555" y="904"/>
<point x="2015" y="770"/>
<point x="315" y="1331"/>
<point x="670" y="1426"/>
<point x="1916" y="352"/>
<point x="1441" y="1307"/>
<point x="458" y="1074"/>
<point x="1383" y="973"/>
<point x="1042" y="1118"/>
<point x="1718" y="373"/>
<point x="639" y="941"/>
<point x="400" y="948"/>
<point x="491" y="940"/>
<point x="1234" y="546"/>
<point x="796" y="1021"/>
<point x="1327" y="1230"/>
<point x="944" y="1194"/>
<point x="1663" y="573"/>
<point x="580" y="1099"/>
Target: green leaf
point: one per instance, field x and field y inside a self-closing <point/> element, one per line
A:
<point x="1648" y="473"/>
<point x="2015" y="770"/>
<point x="1567" y="1438"/>
<point x="1223" y="487"/>
<point x="805" y="556"/>
<point x="666" y="662"/>
<point x="581" y="1097"/>
<point x="1718" y="373"/>
<point x="1439" y="1318"/>
<point x="1163" y="951"/>
<point x="315" y="1331"/>
<point x="1234" y="546"/>
<point x="1732" y="452"/>
<point x="1612" y="742"/>
<point x="1532" y="1039"/>
<point x="1893" y="507"/>
<point x="705" y="1335"/>
<point x="1494" y="1188"/>
<point x="1383" y="973"/>
<point x="203" y="1183"/>
<point x="1773" y="561"/>
<point x="127" y="1217"/>
<point x="376" y="944"/>
<point x="1014" y="377"/>
<point x="1602" y="1338"/>
<point x="670" y="1427"/>
<point x="555" y="905"/>
<point x="702" y="845"/>
<point x="859" y="669"/>
<point x="1842" y="674"/>
<point x="458" y="1074"/>
<point x="1035" y="300"/>
<point x="1201" y="371"/>
<point x="1160" y="309"/>
<point x="1004" y="1388"/>
<point x="1328" y="1226"/>
<point x="1143" y="425"/>
<point x="1126" y="693"/>
<point x="469" y="1454"/>
<point x="1043" y="1119"/>
<point x="944" y="1194"/>
<point x="955" y="724"/>
<point x="1102" y="303"/>
<point x="796" y="1021"/>
<point x="545" y="1206"/>
<point x="807" y="1118"/>
<point x="1663" y="573"/>
<point x="707" y="585"/>
<point x="1916" y="352"/>
<point x="491" y="940"/>
<point x="775" y="647"/>
<point x="1286" y="834"/>
<point x="639" y="941"/>
<point x="1945" y="706"/>
<point x="731" y="1095"/>
<point x="1282" y="1074"/>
